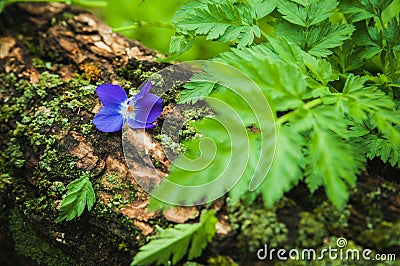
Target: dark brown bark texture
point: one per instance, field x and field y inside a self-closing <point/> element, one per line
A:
<point x="73" y="46"/>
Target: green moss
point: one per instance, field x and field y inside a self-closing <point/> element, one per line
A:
<point x="384" y="237"/>
<point x="311" y="231"/>
<point x="256" y="227"/>
<point x="136" y="71"/>
<point x="333" y="218"/>
<point x="29" y="244"/>
<point x="220" y="261"/>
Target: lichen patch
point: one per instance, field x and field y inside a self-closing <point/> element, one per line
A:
<point x="181" y="214"/>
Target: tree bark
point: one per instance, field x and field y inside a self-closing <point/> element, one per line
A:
<point x="43" y="44"/>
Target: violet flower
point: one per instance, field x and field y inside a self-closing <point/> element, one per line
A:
<point x="141" y="111"/>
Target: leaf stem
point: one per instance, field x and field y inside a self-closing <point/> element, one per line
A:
<point x="283" y="119"/>
<point x="138" y="24"/>
<point x="264" y="34"/>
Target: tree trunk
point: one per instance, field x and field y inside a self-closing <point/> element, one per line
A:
<point x="51" y="56"/>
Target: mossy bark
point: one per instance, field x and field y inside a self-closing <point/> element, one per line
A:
<point x="52" y="57"/>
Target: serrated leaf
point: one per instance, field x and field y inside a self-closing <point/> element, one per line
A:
<point x="358" y="100"/>
<point x="262" y="8"/>
<point x="80" y="194"/>
<point x="346" y="58"/>
<point x="356" y="10"/>
<point x="293" y="33"/>
<point x="284" y="83"/>
<point x="221" y="21"/>
<point x="392" y="32"/>
<point x="320" y="69"/>
<point x="327" y="36"/>
<point x="306" y="13"/>
<point x="199" y="87"/>
<point x="173" y="243"/>
<point x="180" y="44"/>
<point x="320" y="10"/>
<point x="316" y="40"/>
<point x="293" y="13"/>
<point x="334" y="161"/>
<point x="286" y="169"/>
<point x="387" y="151"/>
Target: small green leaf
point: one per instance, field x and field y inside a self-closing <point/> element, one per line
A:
<point x="306" y="13"/>
<point x="293" y="13"/>
<point x="173" y="243"/>
<point x="79" y="194"/>
<point x="327" y="36"/>
<point x="199" y="87"/>
<point x="356" y="10"/>
<point x="262" y="7"/>
<point x="180" y="44"/>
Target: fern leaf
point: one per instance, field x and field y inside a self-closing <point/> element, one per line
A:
<point x="386" y="150"/>
<point x="327" y="36"/>
<point x="286" y="169"/>
<point x="333" y="163"/>
<point x="306" y="13"/>
<point x="173" y="243"/>
<point x="356" y="10"/>
<point x="220" y="21"/>
<point x="200" y="86"/>
<point x="262" y="8"/>
<point x="80" y="194"/>
<point x="180" y="44"/>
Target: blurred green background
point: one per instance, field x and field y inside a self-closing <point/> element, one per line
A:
<point x="123" y="13"/>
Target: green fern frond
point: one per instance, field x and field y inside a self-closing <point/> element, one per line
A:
<point x="80" y="194"/>
<point x="172" y="244"/>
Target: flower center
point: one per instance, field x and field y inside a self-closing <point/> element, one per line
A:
<point x="130" y="108"/>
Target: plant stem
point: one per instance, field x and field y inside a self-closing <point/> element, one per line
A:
<point x="283" y="119"/>
<point x="138" y="24"/>
<point x="264" y="34"/>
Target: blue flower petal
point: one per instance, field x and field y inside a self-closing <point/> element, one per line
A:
<point x="111" y="95"/>
<point x="145" y="90"/>
<point x="108" y="119"/>
<point x="148" y="108"/>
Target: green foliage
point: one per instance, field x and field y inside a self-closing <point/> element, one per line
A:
<point x="226" y="21"/>
<point x="306" y="13"/>
<point x="80" y="194"/>
<point x="199" y="87"/>
<point x="330" y="72"/>
<point x="172" y="244"/>
<point x="288" y="162"/>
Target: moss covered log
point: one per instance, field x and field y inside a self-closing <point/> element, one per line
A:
<point x="52" y="58"/>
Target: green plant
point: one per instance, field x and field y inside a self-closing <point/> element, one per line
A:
<point x="172" y="244"/>
<point x="330" y="72"/>
<point x="80" y="194"/>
